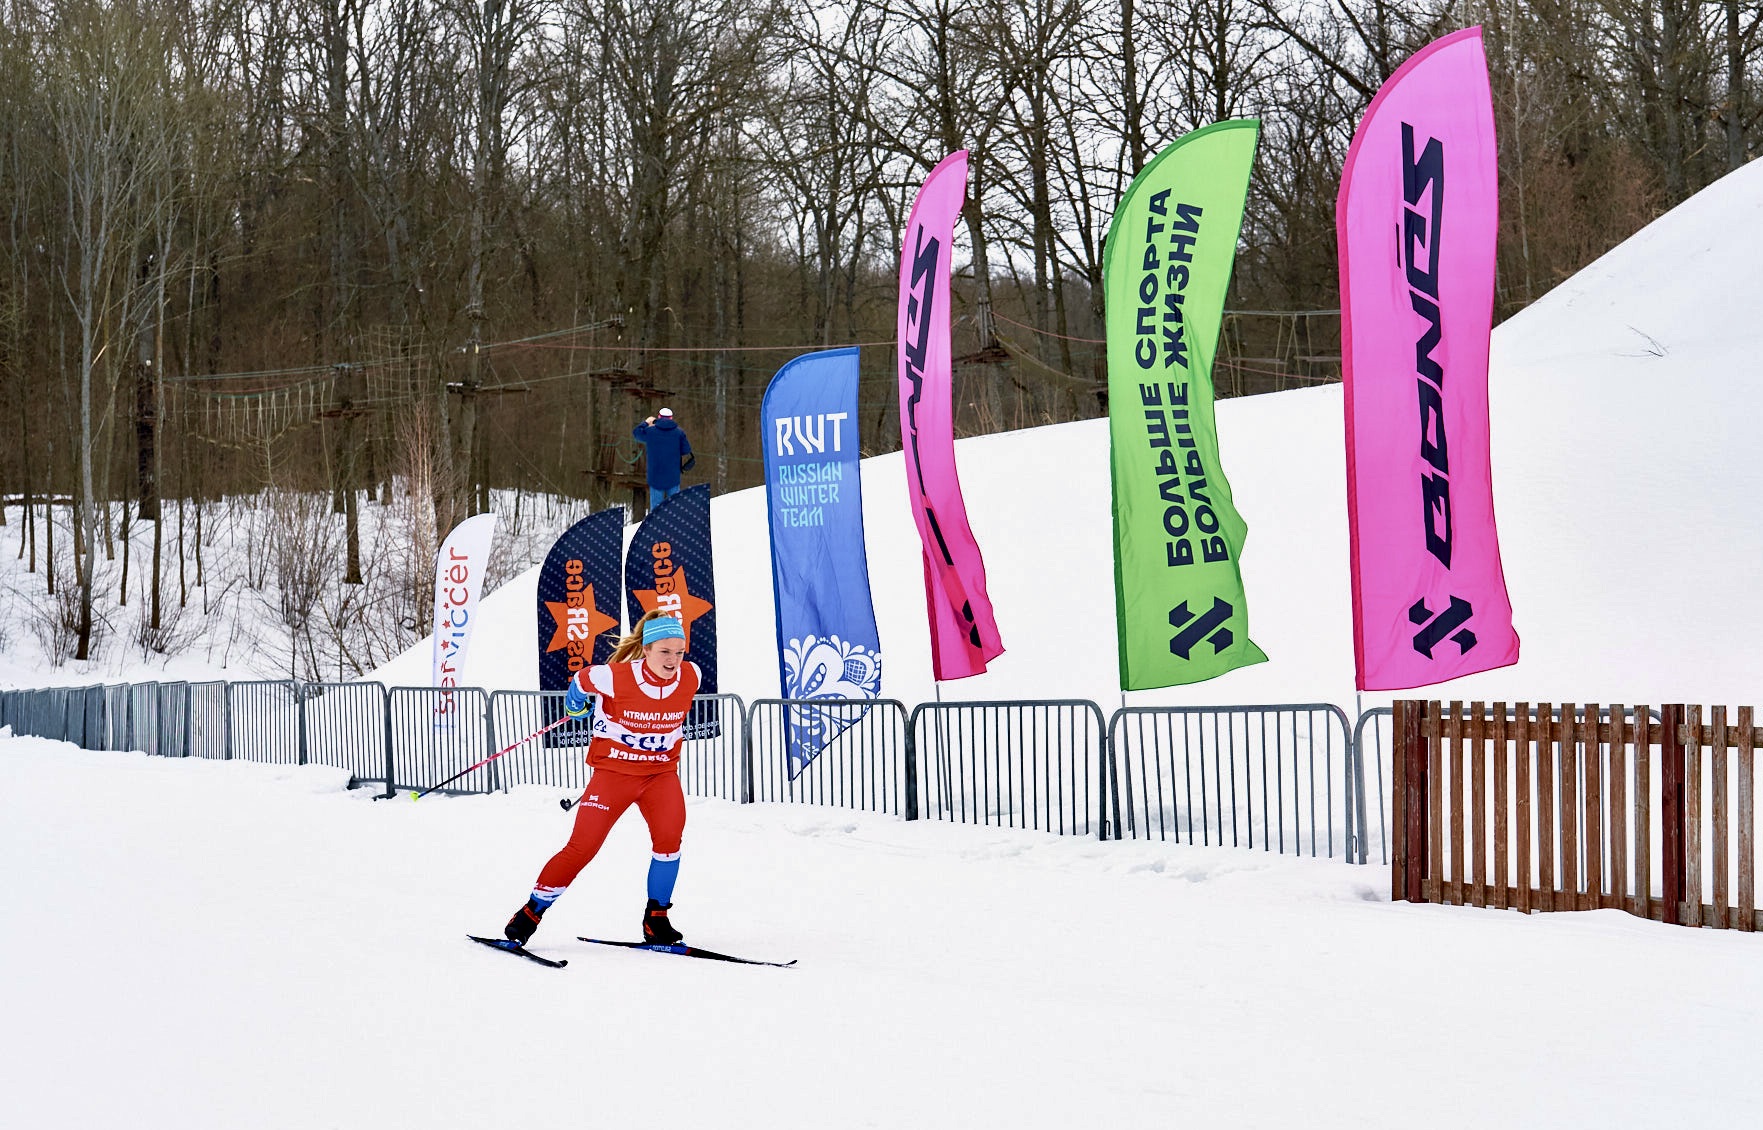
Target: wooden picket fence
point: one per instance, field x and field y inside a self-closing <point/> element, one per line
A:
<point x="1563" y="808"/>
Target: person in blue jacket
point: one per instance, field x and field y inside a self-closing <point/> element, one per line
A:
<point x="669" y="453"/>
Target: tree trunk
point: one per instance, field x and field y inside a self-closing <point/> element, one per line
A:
<point x="351" y="505"/>
<point x="719" y="371"/>
<point x="183" y="580"/>
<point x="982" y="272"/>
<point x="146" y="406"/>
<point x="30" y="510"/>
<point x="153" y="611"/>
<point x="158" y="514"/>
<point x="122" y="590"/>
<point x="438" y="438"/>
<point x="201" y="580"/>
<point x="983" y="325"/>
<point x="1735" y="88"/>
<point x="1129" y="81"/>
<point x="49" y="531"/>
<point x="88" y="512"/>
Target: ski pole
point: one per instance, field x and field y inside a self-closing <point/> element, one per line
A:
<point x="505" y="749"/>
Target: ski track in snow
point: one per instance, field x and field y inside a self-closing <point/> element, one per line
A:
<point x="236" y="944"/>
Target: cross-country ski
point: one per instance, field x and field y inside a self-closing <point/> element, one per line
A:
<point x="519" y="950"/>
<point x="689" y="951"/>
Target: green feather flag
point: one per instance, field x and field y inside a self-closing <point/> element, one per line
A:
<point x="1178" y="590"/>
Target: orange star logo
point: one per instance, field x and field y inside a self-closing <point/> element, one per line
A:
<point x="578" y="621"/>
<point x="684" y="605"/>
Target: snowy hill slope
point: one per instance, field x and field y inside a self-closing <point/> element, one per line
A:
<point x="1625" y="475"/>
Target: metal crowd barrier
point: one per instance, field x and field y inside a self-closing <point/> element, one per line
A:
<point x="69" y="712"/>
<point x="18" y="714"/>
<point x="174" y="719"/>
<point x="76" y="715"/>
<point x="97" y="718"/>
<point x="555" y="758"/>
<point x="345" y="726"/>
<point x="40" y="716"/>
<point x="1279" y="778"/>
<point x="55" y="720"/>
<point x="864" y="757"/>
<point x="263" y="721"/>
<point x="31" y="713"/>
<point x="15" y="711"/>
<point x="1292" y="778"/>
<point x="1373" y="746"/>
<point x="1038" y="765"/>
<point x="116" y="717"/>
<point x="142" y="732"/>
<point x="209" y="736"/>
<point x="434" y="733"/>
<point x="715" y="760"/>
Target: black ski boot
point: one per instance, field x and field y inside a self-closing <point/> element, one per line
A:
<point x="520" y="928"/>
<point x="657" y="930"/>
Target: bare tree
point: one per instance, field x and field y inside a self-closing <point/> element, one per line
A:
<point x="952" y="97"/>
<point x="819" y="132"/>
<point x="1741" y="39"/>
<point x="495" y="31"/>
<point x="1032" y="41"/>
<point x="103" y="109"/>
<point x="674" y="69"/>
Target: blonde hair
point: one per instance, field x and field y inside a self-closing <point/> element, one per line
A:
<point x="631" y="646"/>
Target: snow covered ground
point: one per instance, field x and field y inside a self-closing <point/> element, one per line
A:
<point x="188" y="944"/>
<point x="236" y="945"/>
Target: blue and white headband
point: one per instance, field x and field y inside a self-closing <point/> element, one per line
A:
<point x="662" y="628"/>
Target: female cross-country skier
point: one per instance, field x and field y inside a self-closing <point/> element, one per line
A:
<point x="641" y="698"/>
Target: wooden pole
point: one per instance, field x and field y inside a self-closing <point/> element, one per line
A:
<point x="1411" y="832"/>
<point x="1671" y="811"/>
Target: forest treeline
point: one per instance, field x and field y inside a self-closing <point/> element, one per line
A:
<point x="444" y="246"/>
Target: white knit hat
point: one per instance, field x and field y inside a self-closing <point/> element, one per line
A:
<point x="666" y="413"/>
